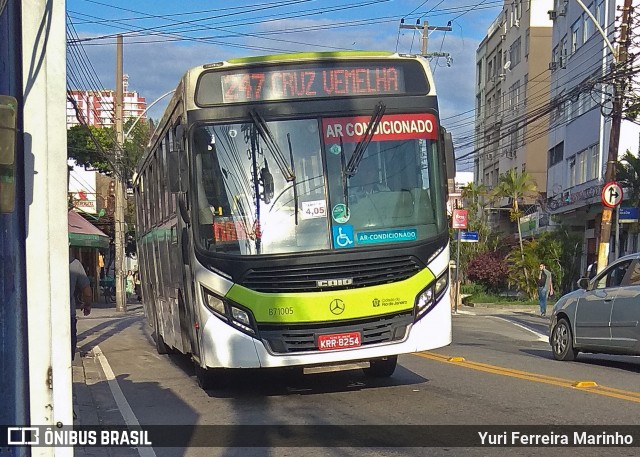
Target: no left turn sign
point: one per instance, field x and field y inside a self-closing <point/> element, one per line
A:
<point x="611" y="194"/>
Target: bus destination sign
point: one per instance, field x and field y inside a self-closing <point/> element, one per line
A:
<point x="256" y="85"/>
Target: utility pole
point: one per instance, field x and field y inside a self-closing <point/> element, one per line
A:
<point x="118" y="219"/>
<point x="424" y="29"/>
<point x="614" y="135"/>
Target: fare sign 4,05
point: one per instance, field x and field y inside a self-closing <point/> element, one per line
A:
<point x="459" y="219"/>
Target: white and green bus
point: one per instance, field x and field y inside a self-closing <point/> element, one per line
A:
<point x="292" y="213"/>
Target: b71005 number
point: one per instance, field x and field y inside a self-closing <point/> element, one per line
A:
<point x="283" y="311"/>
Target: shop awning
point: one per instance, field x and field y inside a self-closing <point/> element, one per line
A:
<point x="83" y="233"/>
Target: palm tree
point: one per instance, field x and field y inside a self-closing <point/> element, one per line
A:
<point x="514" y="185"/>
<point x="473" y="192"/>
<point x="628" y="175"/>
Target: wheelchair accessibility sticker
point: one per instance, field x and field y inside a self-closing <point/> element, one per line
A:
<point x="343" y="236"/>
<point x="387" y="236"/>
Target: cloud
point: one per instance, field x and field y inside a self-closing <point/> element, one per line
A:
<point x="155" y="68"/>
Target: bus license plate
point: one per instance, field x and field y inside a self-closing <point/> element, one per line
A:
<point x="339" y="341"/>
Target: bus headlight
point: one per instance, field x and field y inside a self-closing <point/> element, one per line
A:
<point x="214" y="303"/>
<point x="428" y="297"/>
<point x="231" y="312"/>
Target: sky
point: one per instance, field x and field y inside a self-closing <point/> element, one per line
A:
<point x="163" y="39"/>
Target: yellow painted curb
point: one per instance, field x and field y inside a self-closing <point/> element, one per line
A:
<point x="584" y="384"/>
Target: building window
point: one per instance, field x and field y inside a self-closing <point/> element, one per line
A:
<point x="572" y="171"/>
<point x="514" y="96"/>
<point x="595" y="157"/>
<point x="515" y="52"/>
<point x="587" y="27"/>
<point x="575" y="36"/>
<point x="556" y="154"/>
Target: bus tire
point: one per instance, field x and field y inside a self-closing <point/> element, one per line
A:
<point x="161" y="346"/>
<point x="211" y="378"/>
<point x="381" y="368"/>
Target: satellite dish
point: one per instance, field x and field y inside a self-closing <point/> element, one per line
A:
<point x="507" y="65"/>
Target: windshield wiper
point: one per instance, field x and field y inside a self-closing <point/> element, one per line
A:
<point x="293" y="170"/>
<point x="358" y="153"/>
<point x="273" y="147"/>
<point x="345" y="185"/>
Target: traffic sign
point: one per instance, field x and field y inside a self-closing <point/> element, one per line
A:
<point x="469" y="237"/>
<point x="611" y="194"/>
<point x="628" y="215"/>
<point x="460" y="219"/>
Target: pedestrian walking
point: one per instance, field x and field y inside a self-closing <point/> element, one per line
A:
<point x="129" y="287"/>
<point x="79" y="287"/>
<point x="137" y="285"/>
<point x="545" y="288"/>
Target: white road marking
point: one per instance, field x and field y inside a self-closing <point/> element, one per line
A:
<point x="123" y="405"/>
<point x="541" y="336"/>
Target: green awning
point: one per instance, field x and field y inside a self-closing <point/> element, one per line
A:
<point x="83" y="233"/>
<point x="88" y="241"/>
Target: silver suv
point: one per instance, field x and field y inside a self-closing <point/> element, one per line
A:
<point x="602" y="316"/>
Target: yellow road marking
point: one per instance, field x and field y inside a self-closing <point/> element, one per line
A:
<point x="585" y="386"/>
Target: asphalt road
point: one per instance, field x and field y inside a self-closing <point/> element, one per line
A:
<point x="498" y="371"/>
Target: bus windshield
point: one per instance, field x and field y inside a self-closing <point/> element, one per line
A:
<point x="255" y="197"/>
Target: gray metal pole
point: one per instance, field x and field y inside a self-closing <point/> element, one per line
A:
<point x="616" y="246"/>
<point x="455" y="306"/>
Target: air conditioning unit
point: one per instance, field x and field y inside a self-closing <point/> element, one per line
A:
<point x="553" y="66"/>
<point x="489" y="155"/>
<point x="509" y="154"/>
<point x="553" y="14"/>
<point x="503" y="36"/>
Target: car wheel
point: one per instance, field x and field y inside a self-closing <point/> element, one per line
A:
<point x="381" y="368"/>
<point x="562" y="341"/>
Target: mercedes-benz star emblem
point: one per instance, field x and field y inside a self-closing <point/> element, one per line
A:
<point x="336" y="306"/>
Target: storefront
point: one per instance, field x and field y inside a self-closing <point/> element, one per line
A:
<point x="88" y="244"/>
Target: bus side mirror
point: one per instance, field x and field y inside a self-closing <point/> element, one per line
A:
<point x="177" y="162"/>
<point x="449" y="158"/>
<point x="8" y="115"/>
<point x="583" y="283"/>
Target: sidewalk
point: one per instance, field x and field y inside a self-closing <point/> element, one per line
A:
<point x="93" y="402"/>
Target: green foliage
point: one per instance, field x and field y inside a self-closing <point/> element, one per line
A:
<point x="628" y="175"/>
<point x="91" y="147"/>
<point x="560" y="250"/>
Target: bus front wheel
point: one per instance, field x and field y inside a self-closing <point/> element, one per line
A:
<point x="381" y="368"/>
<point x="210" y="378"/>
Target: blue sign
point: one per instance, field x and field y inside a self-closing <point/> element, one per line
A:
<point x="628" y="215"/>
<point x="387" y="236"/>
<point x="469" y="237"/>
<point x="343" y="236"/>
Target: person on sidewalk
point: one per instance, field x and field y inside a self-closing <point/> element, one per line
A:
<point x="137" y="289"/>
<point x="129" y="284"/>
<point x="80" y="287"/>
<point x="545" y="288"/>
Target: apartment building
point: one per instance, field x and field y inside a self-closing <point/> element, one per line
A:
<point x="512" y="90"/>
<point x="580" y="125"/>
<point x="97" y="106"/>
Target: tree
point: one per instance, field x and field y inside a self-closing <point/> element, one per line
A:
<point x="514" y="186"/>
<point x="91" y="147"/>
<point x="628" y="175"/>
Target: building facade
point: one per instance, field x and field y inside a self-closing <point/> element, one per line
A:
<point x="97" y="106"/>
<point x="512" y="89"/>
<point x="580" y="124"/>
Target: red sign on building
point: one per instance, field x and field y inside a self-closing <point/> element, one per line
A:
<point x="460" y="219"/>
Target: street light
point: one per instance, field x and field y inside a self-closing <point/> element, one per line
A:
<point x="145" y="111"/>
